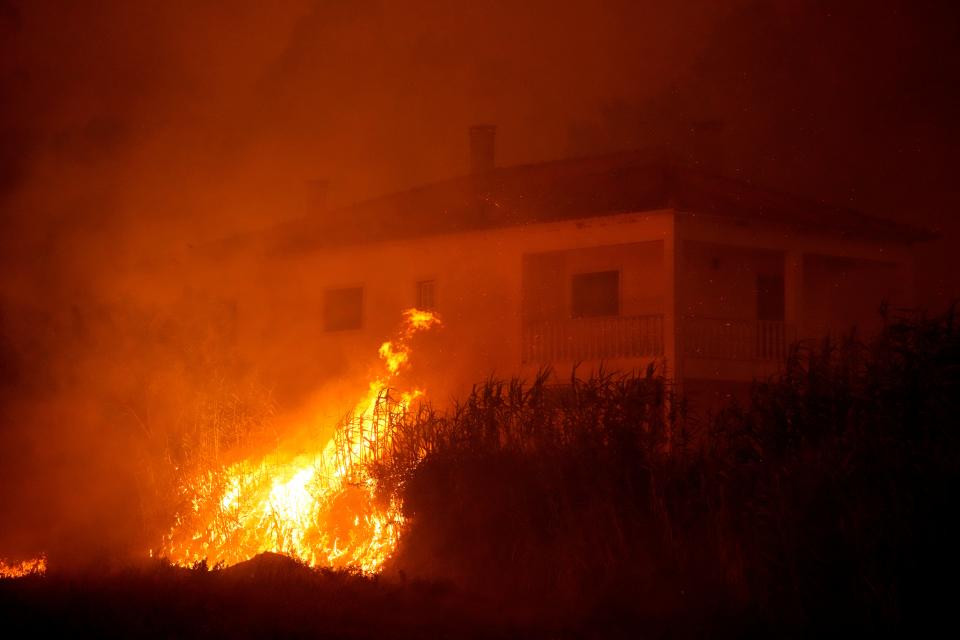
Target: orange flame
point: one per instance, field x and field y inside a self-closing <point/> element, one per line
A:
<point x="31" y="566"/>
<point x="320" y="507"/>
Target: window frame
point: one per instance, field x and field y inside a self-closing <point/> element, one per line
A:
<point x="417" y="291"/>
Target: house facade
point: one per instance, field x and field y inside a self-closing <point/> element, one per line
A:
<point x="617" y="262"/>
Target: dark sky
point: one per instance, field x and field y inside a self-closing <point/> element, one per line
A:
<point x="130" y="127"/>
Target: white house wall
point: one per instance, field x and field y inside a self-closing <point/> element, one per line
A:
<point x="831" y="282"/>
<point x="478" y="290"/>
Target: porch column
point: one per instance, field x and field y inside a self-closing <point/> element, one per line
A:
<point x="672" y="349"/>
<point x="793" y="310"/>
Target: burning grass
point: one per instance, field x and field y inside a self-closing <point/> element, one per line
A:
<point x="22" y="568"/>
<point x="824" y="498"/>
<point x="315" y="503"/>
<point x="599" y="507"/>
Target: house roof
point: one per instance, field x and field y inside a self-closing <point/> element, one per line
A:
<point x="574" y="188"/>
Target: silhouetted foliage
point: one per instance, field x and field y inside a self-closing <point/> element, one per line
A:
<point x="600" y="509"/>
<point x="829" y="497"/>
<point x="269" y="596"/>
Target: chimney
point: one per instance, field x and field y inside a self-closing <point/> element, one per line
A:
<point x="482" y="147"/>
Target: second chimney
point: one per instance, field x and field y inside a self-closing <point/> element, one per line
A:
<point x="482" y="147"/>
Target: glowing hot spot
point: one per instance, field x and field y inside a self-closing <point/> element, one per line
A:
<point x="319" y="506"/>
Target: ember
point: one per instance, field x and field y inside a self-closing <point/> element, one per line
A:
<point x="319" y="506"/>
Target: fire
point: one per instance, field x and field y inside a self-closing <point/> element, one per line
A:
<point x="319" y="506"/>
<point x="31" y="566"/>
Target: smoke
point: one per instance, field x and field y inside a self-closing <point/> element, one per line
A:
<point x="133" y="133"/>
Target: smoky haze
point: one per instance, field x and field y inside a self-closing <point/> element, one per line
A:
<point x="132" y="133"/>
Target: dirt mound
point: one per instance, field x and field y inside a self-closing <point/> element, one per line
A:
<point x="268" y="566"/>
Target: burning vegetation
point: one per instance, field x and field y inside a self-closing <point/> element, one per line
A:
<point x="596" y="506"/>
<point x="28" y="567"/>
<point x="318" y="504"/>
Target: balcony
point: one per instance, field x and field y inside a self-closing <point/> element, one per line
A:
<point x="584" y="339"/>
<point x="733" y="339"/>
<point x="587" y="339"/>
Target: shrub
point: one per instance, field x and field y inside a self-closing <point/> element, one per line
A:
<point x="829" y="496"/>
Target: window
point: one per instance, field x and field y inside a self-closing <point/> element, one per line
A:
<point x="343" y="309"/>
<point x="426" y="294"/>
<point x="770" y="301"/>
<point x="595" y="294"/>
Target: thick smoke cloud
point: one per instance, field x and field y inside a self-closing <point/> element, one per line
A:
<point x="132" y="132"/>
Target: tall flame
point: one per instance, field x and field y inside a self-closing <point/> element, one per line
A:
<point x="320" y="506"/>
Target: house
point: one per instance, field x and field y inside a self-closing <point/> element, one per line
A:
<point x="624" y="260"/>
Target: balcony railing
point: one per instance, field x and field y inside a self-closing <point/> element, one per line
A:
<point x="733" y="339"/>
<point x="585" y="339"/>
